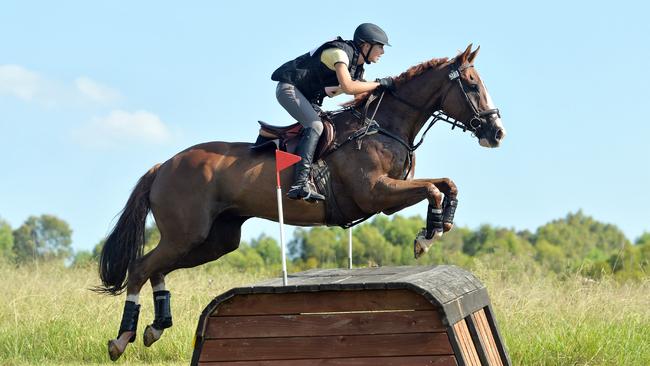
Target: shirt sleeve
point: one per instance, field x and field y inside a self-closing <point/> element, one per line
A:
<point x="332" y="56"/>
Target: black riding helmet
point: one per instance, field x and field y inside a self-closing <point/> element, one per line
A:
<point x="372" y="34"/>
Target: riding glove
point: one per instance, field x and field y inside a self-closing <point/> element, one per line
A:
<point x="387" y="83"/>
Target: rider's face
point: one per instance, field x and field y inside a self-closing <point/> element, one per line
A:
<point x="375" y="53"/>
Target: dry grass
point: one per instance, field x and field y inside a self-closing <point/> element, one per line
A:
<point x="47" y="316"/>
<point x="574" y="321"/>
<point x="50" y="316"/>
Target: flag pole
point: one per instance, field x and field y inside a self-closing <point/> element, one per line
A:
<point x="283" y="160"/>
<point x="281" y="221"/>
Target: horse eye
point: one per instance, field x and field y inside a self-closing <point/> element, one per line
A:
<point x="474" y="87"/>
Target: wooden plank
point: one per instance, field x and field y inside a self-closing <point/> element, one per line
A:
<point x="503" y="353"/>
<point x="485" y="332"/>
<point x="365" y="361"/>
<point x="251" y="349"/>
<point x="467" y="348"/>
<point x="263" y="326"/>
<point x="320" y="302"/>
<point x="477" y="341"/>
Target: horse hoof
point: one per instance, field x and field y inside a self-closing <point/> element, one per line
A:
<point x="114" y="351"/>
<point x="151" y="335"/>
<point x="421" y="244"/>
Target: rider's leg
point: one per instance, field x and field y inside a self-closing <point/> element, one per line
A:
<point x="301" y="109"/>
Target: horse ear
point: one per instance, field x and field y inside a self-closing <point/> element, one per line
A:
<point x="462" y="58"/>
<point x="472" y="56"/>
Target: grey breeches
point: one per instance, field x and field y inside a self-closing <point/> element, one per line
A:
<point x="298" y="106"/>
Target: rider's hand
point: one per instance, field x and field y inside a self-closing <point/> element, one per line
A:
<point x="387" y="83"/>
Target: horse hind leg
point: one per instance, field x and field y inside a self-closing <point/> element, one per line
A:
<point x="224" y="237"/>
<point x="128" y="325"/>
<point x="162" y="310"/>
<point x="139" y="272"/>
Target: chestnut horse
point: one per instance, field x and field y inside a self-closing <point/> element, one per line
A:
<point x="201" y="197"/>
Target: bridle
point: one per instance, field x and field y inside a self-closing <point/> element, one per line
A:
<point x="477" y="122"/>
<point x="481" y="117"/>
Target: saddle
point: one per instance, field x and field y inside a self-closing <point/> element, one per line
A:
<point x="286" y="138"/>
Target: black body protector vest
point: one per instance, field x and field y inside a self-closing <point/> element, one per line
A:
<point x="311" y="76"/>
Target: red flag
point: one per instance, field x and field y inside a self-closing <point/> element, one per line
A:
<point x="283" y="160"/>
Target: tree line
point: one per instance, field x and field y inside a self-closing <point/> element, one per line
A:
<point x="576" y="243"/>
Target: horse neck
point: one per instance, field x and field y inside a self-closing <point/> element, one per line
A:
<point x="424" y="91"/>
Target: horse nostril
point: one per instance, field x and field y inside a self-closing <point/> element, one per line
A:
<point x="500" y="134"/>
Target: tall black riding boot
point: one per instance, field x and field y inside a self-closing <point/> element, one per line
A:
<point x="301" y="188"/>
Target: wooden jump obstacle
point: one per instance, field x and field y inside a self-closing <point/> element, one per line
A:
<point x="396" y="316"/>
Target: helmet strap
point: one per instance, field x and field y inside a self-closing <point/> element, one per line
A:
<point x="365" y="57"/>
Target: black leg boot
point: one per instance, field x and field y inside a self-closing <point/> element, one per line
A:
<point x="162" y="310"/>
<point x="129" y="319"/>
<point x="301" y="188"/>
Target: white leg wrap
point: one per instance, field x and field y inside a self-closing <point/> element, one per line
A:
<point x="159" y="287"/>
<point x="133" y="298"/>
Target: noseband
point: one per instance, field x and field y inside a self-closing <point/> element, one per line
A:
<point x="479" y="117"/>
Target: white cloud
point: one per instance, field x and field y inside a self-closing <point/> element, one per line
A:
<point x="95" y="91"/>
<point x="121" y="127"/>
<point x="19" y="82"/>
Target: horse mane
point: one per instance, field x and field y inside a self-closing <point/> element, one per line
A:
<point x="401" y="79"/>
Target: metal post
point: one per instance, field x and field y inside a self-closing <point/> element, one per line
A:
<point x="349" y="248"/>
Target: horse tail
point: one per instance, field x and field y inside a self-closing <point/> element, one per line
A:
<point x="125" y="243"/>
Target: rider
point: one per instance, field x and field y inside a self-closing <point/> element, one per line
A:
<point x="333" y="68"/>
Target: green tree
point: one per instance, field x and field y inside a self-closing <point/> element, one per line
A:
<point x="268" y="249"/>
<point x="376" y="249"/>
<point x="576" y="242"/>
<point x="401" y="231"/>
<point x="643" y="245"/>
<point x="644" y="239"/>
<point x="83" y="258"/>
<point x="42" y="237"/>
<point x="244" y="258"/>
<point x="6" y="241"/>
<point x="480" y="241"/>
<point x="582" y="239"/>
<point x="449" y="250"/>
<point x="321" y="244"/>
<point x="551" y="256"/>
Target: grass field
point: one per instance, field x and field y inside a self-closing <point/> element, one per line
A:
<point x="49" y="317"/>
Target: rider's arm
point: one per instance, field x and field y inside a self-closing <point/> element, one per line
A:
<point x="350" y="86"/>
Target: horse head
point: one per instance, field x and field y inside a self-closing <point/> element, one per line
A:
<point x="451" y="91"/>
<point x="468" y="102"/>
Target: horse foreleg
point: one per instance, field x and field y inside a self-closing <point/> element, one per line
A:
<point x="392" y="193"/>
<point x="448" y="187"/>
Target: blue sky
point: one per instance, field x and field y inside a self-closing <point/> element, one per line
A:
<point x="93" y="94"/>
